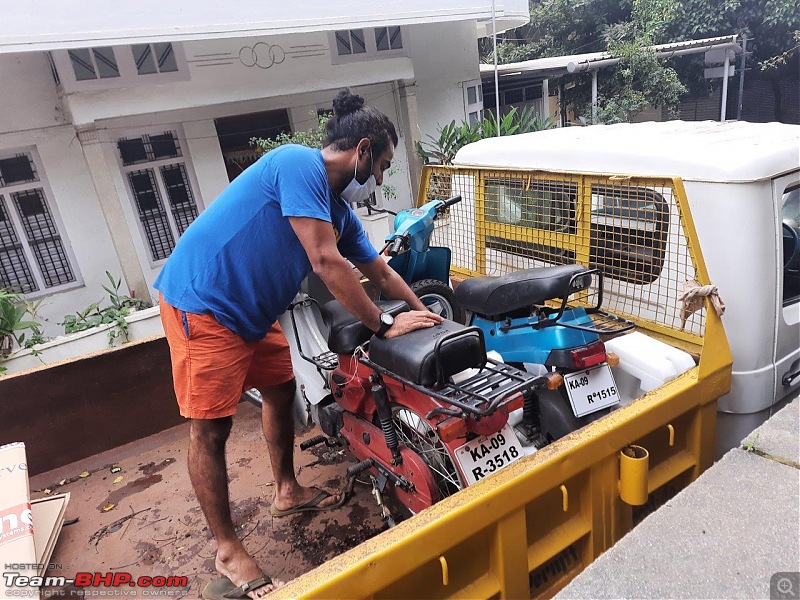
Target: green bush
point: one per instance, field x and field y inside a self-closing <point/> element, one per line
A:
<point x="453" y="136"/>
<point x="94" y="316"/>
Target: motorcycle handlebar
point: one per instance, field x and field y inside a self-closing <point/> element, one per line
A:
<point x="451" y="201"/>
<point x="395" y="246"/>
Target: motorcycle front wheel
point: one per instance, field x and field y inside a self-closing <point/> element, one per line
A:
<point x="438" y="298"/>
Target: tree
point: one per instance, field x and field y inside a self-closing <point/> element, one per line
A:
<point x="771" y="26"/>
<point x="641" y="79"/>
<point x="578" y="26"/>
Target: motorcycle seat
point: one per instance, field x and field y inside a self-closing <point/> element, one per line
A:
<point x="345" y="332"/>
<point x="495" y="296"/>
<point x="413" y="357"/>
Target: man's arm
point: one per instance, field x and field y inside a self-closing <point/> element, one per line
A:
<point x="319" y="242"/>
<point x="391" y="285"/>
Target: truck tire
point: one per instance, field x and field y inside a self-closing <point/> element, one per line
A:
<point x="439" y="298"/>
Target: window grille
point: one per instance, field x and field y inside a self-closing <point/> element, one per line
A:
<point x="43" y="237"/>
<point x="388" y="38"/>
<point x="15" y="272"/>
<point x="154" y="58"/>
<point x="93" y="63"/>
<point x="161" y="189"/>
<point x="350" y="41"/>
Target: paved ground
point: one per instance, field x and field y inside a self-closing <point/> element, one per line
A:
<point x="725" y="536"/>
<point x="155" y="526"/>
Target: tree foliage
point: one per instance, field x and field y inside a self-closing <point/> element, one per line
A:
<point x="560" y="27"/>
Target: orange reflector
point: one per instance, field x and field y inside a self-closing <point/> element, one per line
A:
<point x="612" y="359"/>
<point x="452" y="429"/>
<point x="554" y="381"/>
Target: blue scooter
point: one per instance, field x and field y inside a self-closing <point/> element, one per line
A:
<point x="527" y="318"/>
<point x="425" y="268"/>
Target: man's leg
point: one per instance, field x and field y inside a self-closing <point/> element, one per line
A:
<point x="278" y="424"/>
<point x="209" y="476"/>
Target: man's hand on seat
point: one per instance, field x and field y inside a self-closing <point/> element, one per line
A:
<point x="412" y="320"/>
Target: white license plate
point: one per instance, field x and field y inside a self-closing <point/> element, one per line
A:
<point x="591" y="390"/>
<point x="488" y="454"/>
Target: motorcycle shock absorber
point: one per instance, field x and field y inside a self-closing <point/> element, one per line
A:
<point x="384" y="411"/>
<point x="530" y="413"/>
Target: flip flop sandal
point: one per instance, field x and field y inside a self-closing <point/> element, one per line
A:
<point x="310" y="506"/>
<point x="223" y="588"/>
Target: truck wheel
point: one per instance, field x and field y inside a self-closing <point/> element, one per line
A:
<point x="438" y="298"/>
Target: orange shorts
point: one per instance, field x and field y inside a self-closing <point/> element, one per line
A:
<point x="212" y="365"/>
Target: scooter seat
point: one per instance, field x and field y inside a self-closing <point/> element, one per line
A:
<point x="345" y="332"/>
<point x="413" y="355"/>
<point x="495" y="296"/>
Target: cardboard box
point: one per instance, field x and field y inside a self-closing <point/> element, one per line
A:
<point x="16" y="517"/>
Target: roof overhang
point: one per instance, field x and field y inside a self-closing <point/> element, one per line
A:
<point x="37" y="25"/>
<point x="555" y="66"/>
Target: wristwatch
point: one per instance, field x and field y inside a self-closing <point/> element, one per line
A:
<point x="387" y="321"/>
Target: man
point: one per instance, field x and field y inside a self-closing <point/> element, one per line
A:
<point x="234" y="270"/>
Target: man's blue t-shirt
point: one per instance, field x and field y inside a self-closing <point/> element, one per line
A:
<point x="240" y="260"/>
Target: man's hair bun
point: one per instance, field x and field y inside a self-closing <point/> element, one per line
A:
<point x="346" y="103"/>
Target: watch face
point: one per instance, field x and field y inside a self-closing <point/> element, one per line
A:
<point x="387" y="319"/>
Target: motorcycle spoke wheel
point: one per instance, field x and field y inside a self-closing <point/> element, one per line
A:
<point x="417" y="434"/>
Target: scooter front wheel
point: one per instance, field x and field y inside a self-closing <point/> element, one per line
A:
<point x="439" y="298"/>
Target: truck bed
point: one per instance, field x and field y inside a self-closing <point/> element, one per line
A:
<point x="155" y="526"/>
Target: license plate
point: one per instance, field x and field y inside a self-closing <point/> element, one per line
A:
<point x="591" y="390"/>
<point x="488" y="454"/>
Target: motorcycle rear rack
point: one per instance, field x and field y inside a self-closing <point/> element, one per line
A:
<point x="602" y="323"/>
<point x="475" y="395"/>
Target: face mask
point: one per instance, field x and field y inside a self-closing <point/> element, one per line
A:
<point x="359" y="192"/>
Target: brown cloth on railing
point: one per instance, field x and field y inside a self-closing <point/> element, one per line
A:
<point x="692" y="298"/>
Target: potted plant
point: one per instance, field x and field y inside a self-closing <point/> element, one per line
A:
<point x="13" y="310"/>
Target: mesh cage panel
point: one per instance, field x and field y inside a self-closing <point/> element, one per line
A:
<point x="631" y="229"/>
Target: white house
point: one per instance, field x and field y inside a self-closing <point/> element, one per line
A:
<point x="119" y="124"/>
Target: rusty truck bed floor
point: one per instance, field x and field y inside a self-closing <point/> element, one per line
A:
<point x="155" y="526"/>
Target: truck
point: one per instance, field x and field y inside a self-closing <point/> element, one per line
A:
<point x="694" y="226"/>
<point x="680" y="218"/>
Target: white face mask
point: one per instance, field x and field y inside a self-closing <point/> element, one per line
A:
<point x="359" y="192"/>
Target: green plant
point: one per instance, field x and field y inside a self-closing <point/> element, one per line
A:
<point x="95" y="316"/>
<point x="313" y="138"/>
<point x="452" y="137"/>
<point x="13" y="324"/>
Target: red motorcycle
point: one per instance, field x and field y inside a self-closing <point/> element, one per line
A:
<point x="401" y="408"/>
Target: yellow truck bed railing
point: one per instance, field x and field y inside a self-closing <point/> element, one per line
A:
<point x="530" y="528"/>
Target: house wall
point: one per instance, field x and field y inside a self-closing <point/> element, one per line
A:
<point x="89" y="190"/>
<point x="444" y="56"/>
<point x="30" y="118"/>
<point x="306" y="67"/>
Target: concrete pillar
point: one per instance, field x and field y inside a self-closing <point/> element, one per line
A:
<point x="410" y="133"/>
<point x="206" y="156"/>
<point x="111" y="205"/>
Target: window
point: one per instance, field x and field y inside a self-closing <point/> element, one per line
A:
<point x="350" y="45"/>
<point x="473" y="101"/>
<point x="106" y="67"/>
<point x="388" y="38"/>
<point x="156" y="172"/>
<point x="33" y="256"/>
<point x="628" y="224"/>
<point x="350" y="41"/>
<point x="790" y="226"/>
<point x="93" y="63"/>
<point x="154" y="58"/>
<point x="629" y="232"/>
